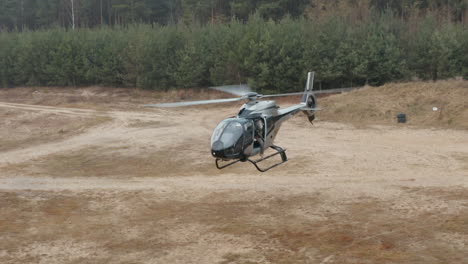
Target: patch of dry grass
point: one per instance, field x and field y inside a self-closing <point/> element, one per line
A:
<point x="454" y="193"/>
<point x="27" y="128"/>
<point x="148" y="124"/>
<point x="182" y="159"/>
<point x="115" y="162"/>
<point x="463" y="158"/>
<point x="380" y="105"/>
<point x="279" y="229"/>
<point x="370" y="105"/>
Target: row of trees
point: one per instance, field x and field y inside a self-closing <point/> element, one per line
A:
<point x="268" y="55"/>
<point x="34" y="14"/>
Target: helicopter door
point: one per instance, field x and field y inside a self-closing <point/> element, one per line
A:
<point x="249" y="133"/>
<point x="260" y="132"/>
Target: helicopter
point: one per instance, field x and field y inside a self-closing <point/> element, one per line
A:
<point x="253" y="130"/>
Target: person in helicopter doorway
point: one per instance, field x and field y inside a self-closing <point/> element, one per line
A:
<point x="258" y="135"/>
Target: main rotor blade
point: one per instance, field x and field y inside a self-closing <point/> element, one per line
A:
<point x="189" y="103"/>
<point x="240" y="90"/>
<point x="280" y="95"/>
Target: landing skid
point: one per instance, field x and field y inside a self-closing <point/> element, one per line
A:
<point x="279" y="151"/>
<point x="226" y="165"/>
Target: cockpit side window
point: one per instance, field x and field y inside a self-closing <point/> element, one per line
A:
<point x="218" y="131"/>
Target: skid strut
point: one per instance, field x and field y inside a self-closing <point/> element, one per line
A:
<point x="279" y="151"/>
<point x="226" y="165"/>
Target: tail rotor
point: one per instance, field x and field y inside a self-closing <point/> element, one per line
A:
<point x="309" y="99"/>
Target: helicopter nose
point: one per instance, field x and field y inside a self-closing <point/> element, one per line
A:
<point x="217" y="149"/>
<point x="221" y="150"/>
<point x="217" y="145"/>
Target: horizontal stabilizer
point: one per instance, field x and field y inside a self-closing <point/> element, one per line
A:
<point x="311" y="109"/>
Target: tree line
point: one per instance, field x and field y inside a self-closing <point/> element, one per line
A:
<point x="36" y="14"/>
<point x="269" y="55"/>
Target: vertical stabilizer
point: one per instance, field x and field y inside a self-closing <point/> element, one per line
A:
<point x="309" y="86"/>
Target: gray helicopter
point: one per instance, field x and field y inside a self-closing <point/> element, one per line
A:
<point x="254" y="128"/>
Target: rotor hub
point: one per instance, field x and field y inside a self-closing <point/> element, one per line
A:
<point x="253" y="96"/>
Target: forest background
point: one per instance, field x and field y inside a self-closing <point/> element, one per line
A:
<point x="269" y="44"/>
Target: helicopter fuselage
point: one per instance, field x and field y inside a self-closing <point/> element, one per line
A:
<point x="251" y="132"/>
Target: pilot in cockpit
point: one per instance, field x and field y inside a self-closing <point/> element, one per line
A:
<point x="259" y="133"/>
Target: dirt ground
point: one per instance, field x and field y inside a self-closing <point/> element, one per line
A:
<point x="110" y="183"/>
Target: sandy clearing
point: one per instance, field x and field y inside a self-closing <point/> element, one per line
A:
<point x="347" y="195"/>
<point x="113" y="132"/>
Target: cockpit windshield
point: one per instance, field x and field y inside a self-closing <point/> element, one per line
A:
<point x="228" y="132"/>
<point x="231" y="137"/>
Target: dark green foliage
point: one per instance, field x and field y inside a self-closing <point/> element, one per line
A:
<point x="382" y="55"/>
<point x="437" y="52"/>
<point x="157" y="55"/>
<point x="58" y="57"/>
<point x="272" y="56"/>
<point x="35" y="14"/>
<point x="461" y="53"/>
<point x="227" y="54"/>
